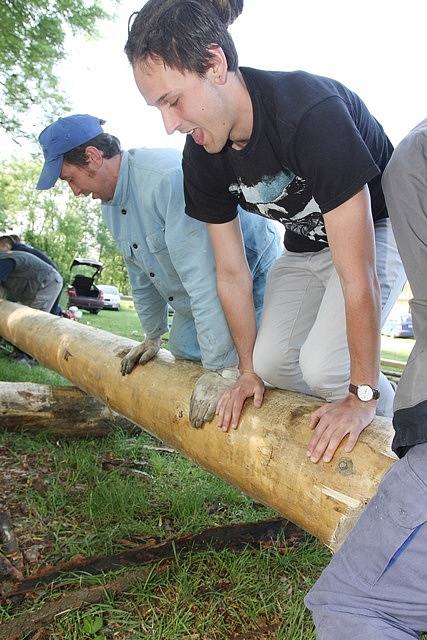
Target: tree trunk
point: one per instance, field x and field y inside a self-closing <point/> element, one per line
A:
<point x="56" y="410"/>
<point x="265" y="457"/>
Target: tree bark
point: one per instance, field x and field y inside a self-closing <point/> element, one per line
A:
<point x="265" y="457"/>
<point x="234" y="537"/>
<point x="55" y="410"/>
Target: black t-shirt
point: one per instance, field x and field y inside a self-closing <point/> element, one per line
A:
<point x="313" y="145"/>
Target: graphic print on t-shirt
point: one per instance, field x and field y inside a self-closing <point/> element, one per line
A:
<point x="287" y="198"/>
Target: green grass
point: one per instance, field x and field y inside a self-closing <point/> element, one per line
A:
<point x="81" y="508"/>
<point x="123" y="323"/>
<point x="63" y="499"/>
<point x="11" y="371"/>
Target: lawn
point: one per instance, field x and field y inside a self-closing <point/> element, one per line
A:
<point x="63" y="502"/>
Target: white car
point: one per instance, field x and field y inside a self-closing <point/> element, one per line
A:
<point x="111" y="296"/>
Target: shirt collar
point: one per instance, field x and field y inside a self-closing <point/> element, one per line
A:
<point x="121" y="191"/>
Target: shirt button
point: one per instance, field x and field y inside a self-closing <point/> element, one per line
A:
<point x="135" y="246"/>
<point x="151" y="274"/>
<point x="170" y="298"/>
<point x="124" y="212"/>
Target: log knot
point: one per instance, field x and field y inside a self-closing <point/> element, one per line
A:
<point x="346" y="467"/>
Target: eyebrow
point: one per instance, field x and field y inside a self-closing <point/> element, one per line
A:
<point x="162" y="98"/>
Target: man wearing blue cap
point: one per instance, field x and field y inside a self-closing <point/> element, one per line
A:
<point x="167" y="254"/>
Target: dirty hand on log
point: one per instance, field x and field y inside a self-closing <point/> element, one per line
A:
<point x="206" y="394"/>
<point x="335" y="420"/>
<point x="140" y="354"/>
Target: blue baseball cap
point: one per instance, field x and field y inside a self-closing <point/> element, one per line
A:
<point x="62" y="136"/>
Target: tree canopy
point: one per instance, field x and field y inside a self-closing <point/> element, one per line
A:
<point x="32" y="39"/>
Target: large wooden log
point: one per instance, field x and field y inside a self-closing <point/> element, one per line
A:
<point x="265" y="456"/>
<point x="58" y="410"/>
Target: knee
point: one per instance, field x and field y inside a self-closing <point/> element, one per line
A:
<point x="312" y="370"/>
<point x="274" y="367"/>
<point x="264" y="362"/>
<point x="318" y="373"/>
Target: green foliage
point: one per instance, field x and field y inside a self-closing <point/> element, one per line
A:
<point x="115" y="271"/>
<point x="57" y="222"/>
<point x="32" y="39"/>
<point x="91" y="626"/>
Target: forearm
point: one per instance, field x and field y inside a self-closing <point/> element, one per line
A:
<point x="363" y="313"/>
<point x="237" y="302"/>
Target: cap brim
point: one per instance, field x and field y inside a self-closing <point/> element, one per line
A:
<point x="50" y="173"/>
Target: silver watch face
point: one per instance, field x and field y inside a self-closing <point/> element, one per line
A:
<point x="365" y="392"/>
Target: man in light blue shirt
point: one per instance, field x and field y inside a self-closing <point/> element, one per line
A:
<point x="167" y="254"/>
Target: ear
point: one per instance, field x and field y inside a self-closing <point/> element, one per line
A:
<point x="218" y="67"/>
<point x="94" y="157"/>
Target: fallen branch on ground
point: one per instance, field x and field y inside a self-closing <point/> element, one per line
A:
<point x="234" y="537"/>
<point x="31" y="621"/>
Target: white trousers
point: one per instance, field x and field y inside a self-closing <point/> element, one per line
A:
<point x="302" y="340"/>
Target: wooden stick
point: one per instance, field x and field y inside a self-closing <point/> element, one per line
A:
<point x="233" y="537"/>
<point x="31" y="621"/>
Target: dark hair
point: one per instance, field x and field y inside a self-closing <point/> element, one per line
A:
<point x="6" y="240"/>
<point x="180" y="33"/>
<point x="105" y="142"/>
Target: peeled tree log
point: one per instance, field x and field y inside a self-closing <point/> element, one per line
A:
<point x="265" y="457"/>
<point x="58" y="410"/>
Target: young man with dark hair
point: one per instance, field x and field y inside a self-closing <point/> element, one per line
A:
<point x="301" y="149"/>
<point x="375" y="588"/>
<point x="168" y="255"/>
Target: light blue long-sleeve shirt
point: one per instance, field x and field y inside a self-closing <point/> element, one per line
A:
<point x="169" y="257"/>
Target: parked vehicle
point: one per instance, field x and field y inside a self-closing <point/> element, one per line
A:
<point x="83" y="292"/>
<point x="111" y="296"/>
<point x="398" y="326"/>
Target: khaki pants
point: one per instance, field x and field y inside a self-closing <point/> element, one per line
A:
<point x="302" y="341"/>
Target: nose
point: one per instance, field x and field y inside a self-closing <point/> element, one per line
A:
<point x="171" y="120"/>
<point x="75" y="189"/>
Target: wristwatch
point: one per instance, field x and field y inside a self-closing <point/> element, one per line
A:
<point x="364" y="392"/>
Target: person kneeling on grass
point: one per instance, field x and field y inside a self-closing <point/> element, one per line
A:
<point x="167" y="254"/>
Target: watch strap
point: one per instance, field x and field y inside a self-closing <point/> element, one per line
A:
<point x="354" y="387"/>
